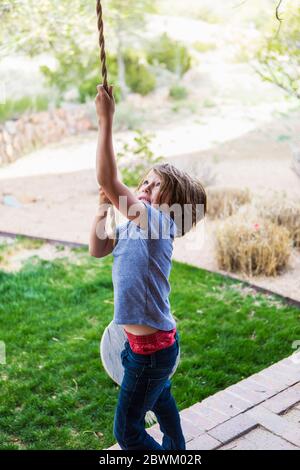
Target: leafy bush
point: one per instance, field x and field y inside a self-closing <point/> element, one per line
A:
<point x="169" y="53"/>
<point x="80" y="69"/>
<point x="135" y="159"/>
<point x="87" y="87"/>
<point x="178" y="92"/>
<point x="138" y="76"/>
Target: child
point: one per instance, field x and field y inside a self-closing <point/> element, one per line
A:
<point x="142" y="254"/>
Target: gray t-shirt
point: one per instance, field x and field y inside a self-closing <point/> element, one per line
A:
<point x="141" y="269"/>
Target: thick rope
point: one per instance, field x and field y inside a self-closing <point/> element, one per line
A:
<point x="105" y="84"/>
<point x="102" y="44"/>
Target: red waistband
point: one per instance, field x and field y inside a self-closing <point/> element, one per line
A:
<point x="147" y="344"/>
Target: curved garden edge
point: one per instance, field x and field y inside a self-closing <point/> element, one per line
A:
<point x="70" y="244"/>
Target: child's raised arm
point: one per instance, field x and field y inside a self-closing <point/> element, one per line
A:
<point x="106" y="167"/>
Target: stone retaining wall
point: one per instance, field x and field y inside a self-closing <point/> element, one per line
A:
<point x="31" y="131"/>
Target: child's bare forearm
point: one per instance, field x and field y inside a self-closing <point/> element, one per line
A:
<point x="106" y="166"/>
<point x="98" y="235"/>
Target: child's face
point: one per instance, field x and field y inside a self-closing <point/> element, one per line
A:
<point x="150" y="188"/>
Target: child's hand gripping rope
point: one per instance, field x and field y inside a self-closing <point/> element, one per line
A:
<point x="105" y="104"/>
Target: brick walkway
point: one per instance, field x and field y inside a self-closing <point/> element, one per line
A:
<point x="260" y="412"/>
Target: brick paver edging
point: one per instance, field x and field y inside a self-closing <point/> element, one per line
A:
<point x="248" y="413"/>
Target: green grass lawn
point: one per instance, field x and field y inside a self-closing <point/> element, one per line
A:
<point x="54" y="391"/>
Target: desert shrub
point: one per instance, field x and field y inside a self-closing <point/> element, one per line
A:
<point x="224" y="202"/>
<point x="251" y="245"/>
<point x="281" y="210"/>
<point x="134" y="160"/>
<point x="171" y="54"/>
<point x="178" y="92"/>
<point x="138" y="76"/>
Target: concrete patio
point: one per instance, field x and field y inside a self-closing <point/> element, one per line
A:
<point x="260" y="412"/>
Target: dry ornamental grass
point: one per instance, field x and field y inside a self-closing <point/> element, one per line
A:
<point x="223" y="202"/>
<point x="284" y="211"/>
<point x="252" y="245"/>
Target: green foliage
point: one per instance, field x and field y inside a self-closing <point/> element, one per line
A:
<point x="138" y="76"/>
<point x="49" y="25"/>
<point x="70" y="35"/>
<point x="178" y="92"/>
<point x="91" y="77"/>
<point x="204" y="46"/>
<point x="278" y="55"/>
<point x="80" y="69"/>
<point x="44" y="26"/>
<point x="208" y="103"/>
<point x="12" y="109"/>
<point x="136" y="159"/>
<point x="171" y="54"/>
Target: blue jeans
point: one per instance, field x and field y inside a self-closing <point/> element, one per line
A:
<point x="146" y="386"/>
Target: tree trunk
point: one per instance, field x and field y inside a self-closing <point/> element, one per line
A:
<point x="121" y="72"/>
<point x="120" y="60"/>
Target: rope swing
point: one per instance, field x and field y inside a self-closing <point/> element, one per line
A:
<point x="104" y="78"/>
<point x="102" y="44"/>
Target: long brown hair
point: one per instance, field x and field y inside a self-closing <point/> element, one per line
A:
<point x="178" y="187"/>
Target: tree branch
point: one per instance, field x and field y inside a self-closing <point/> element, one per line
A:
<point x="278" y="17"/>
